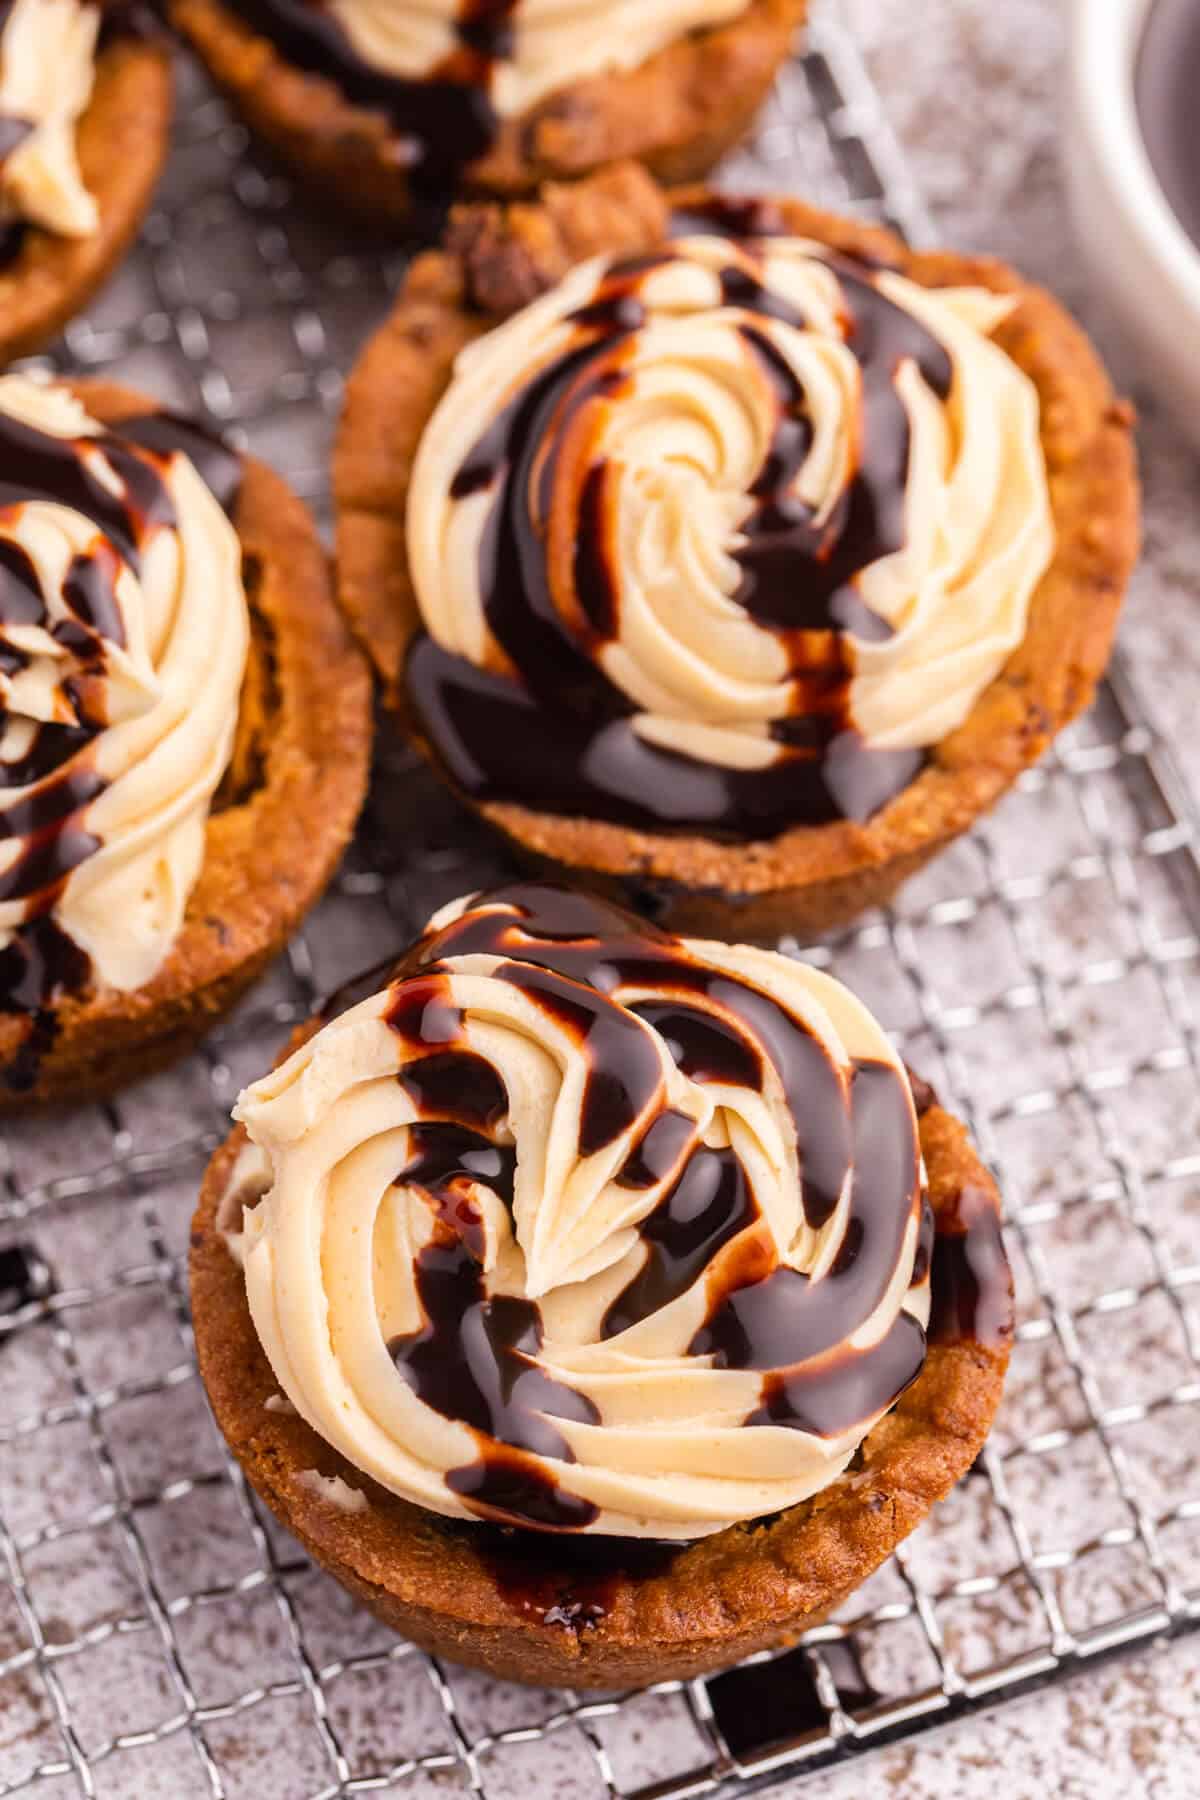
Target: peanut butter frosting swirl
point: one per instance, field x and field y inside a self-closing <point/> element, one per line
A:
<point x="47" y="70"/>
<point x="722" y="538"/>
<point x="123" y="640"/>
<point x="575" y="1225"/>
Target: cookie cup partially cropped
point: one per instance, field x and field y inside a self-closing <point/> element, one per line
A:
<point x="278" y="825"/>
<point x="522" y="1605"/>
<point x="809" y="877"/>
<point x="122" y="142"/>
<point x="678" y="112"/>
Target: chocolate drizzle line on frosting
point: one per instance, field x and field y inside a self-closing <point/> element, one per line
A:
<point x="556" y="734"/>
<point x="710" y="1205"/>
<point x="41" y="964"/>
<point x="446" y="116"/>
<point x="475" y="1357"/>
<point x="798" y="1329"/>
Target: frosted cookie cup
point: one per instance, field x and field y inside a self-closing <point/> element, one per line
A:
<point x="514" y="1304"/>
<point x="185" y="734"/>
<point x="729" y="556"/>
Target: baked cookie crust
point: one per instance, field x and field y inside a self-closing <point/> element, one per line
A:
<point x="679" y="112"/>
<point x="123" y="140"/>
<point x="279" y="823"/>
<point x="496" y="259"/>
<point x="524" y="1607"/>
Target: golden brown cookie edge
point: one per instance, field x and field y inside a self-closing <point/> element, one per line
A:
<point x="809" y="878"/>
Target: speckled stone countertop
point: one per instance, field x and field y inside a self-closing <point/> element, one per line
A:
<point x="973" y="91"/>
<point x="163" y="1638"/>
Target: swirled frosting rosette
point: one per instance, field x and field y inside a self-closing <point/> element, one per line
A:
<point x="123" y="639"/>
<point x="579" y="1226"/>
<point x="723" y="538"/>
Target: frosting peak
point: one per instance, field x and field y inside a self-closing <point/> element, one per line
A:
<point x="579" y="1226"/>
<point x="723" y="538"/>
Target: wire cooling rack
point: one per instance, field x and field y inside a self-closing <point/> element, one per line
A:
<point x="159" y="1634"/>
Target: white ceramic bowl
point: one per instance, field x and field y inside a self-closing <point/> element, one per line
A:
<point x="1136" y="252"/>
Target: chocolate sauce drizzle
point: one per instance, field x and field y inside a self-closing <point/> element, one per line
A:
<point x="475" y="1357"/>
<point x="797" y="1329"/>
<point x="446" y="117"/>
<point x="41" y="965"/>
<point x="971" y="1284"/>
<point x="962" y="1250"/>
<point x="578" y="1588"/>
<point x="559" y="735"/>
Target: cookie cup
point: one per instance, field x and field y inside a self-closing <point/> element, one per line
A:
<point x="809" y="878"/>
<point x="529" y="1606"/>
<point x="279" y="821"/>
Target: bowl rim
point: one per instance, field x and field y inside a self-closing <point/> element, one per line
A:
<point x="1104" y="43"/>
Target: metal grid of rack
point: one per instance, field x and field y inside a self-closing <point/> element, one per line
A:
<point x="158" y="1633"/>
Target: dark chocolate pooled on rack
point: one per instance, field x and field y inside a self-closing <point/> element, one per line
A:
<point x="559" y="735"/>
